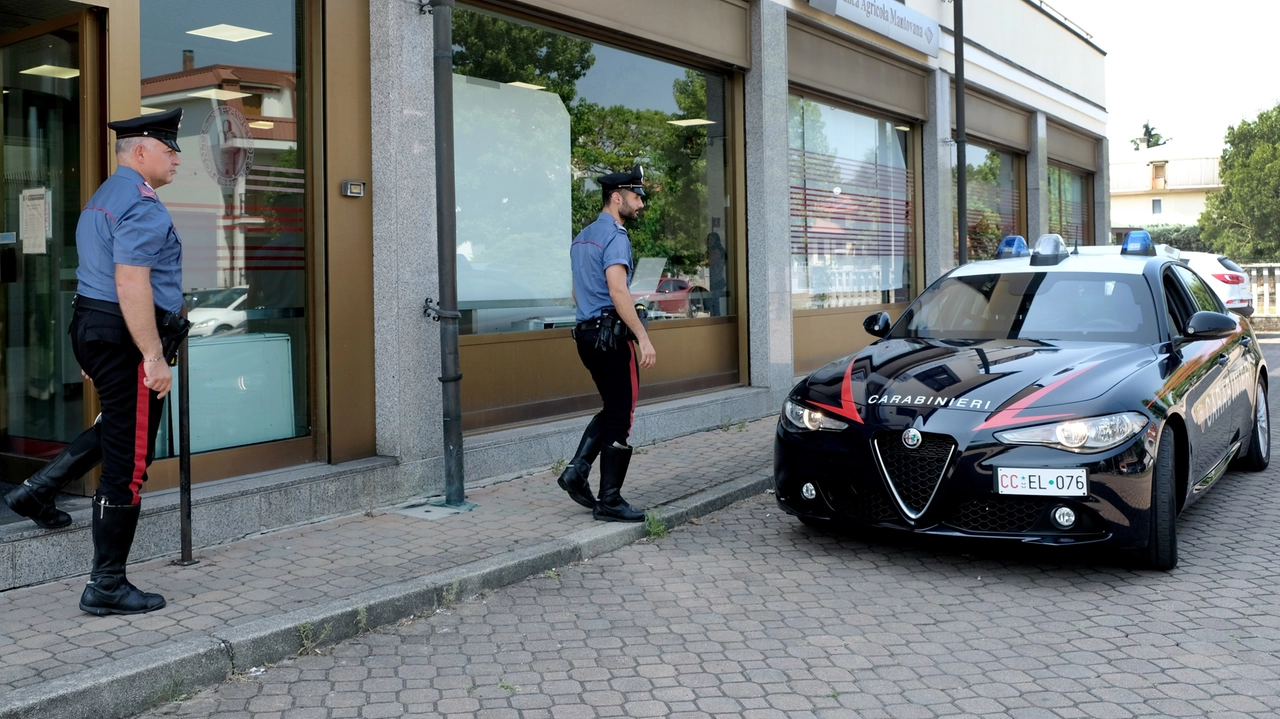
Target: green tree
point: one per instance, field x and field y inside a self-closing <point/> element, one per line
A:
<point x="1183" y="237"/>
<point x="1242" y="220"/>
<point x="1149" y="138"/>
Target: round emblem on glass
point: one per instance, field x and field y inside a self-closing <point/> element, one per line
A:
<point x="911" y="438"/>
<point x="226" y="145"/>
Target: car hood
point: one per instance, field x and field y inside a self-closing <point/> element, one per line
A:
<point x="204" y="313"/>
<point x="994" y="377"/>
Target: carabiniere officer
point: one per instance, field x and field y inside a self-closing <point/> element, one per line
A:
<point x="608" y="332"/>
<point x="129" y="299"/>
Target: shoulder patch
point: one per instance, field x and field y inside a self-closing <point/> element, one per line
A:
<point x="146" y="191"/>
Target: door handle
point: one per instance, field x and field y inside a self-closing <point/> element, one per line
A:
<point x="1222" y="359"/>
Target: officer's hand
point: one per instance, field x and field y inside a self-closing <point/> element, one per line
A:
<point x="158" y="377"/>
<point x="82" y="374"/>
<point x="648" y="355"/>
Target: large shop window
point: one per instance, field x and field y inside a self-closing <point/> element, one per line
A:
<point x="1069" y="205"/>
<point x="238" y="202"/>
<point x="539" y="114"/>
<point x="852" y="208"/>
<point x="993" y="196"/>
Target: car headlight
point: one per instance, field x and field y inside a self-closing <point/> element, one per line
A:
<point x="202" y="325"/>
<point x="804" y="418"/>
<point x="1093" y="434"/>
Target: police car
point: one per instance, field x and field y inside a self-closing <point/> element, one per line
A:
<point x="1056" y="396"/>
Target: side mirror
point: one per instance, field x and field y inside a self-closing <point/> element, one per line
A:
<point x="1210" y="326"/>
<point x="1246" y="311"/>
<point x="877" y="324"/>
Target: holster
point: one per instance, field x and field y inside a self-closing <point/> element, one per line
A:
<point x="173" y="328"/>
<point x="606" y="336"/>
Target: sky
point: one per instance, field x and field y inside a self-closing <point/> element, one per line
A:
<point x="1192" y="68"/>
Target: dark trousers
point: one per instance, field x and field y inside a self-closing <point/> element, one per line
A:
<point x="130" y="412"/>
<point x="616" y="373"/>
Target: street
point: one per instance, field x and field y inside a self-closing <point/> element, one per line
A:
<point x="748" y="613"/>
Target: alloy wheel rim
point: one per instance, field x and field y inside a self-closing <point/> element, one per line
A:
<point x="1264" y="424"/>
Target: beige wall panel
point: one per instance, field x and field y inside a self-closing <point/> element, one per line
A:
<point x="822" y="336"/>
<point x="838" y="68"/>
<point x="990" y="119"/>
<point x="520" y="377"/>
<point x="713" y="28"/>
<point x="1030" y="37"/>
<point x="1072" y="148"/>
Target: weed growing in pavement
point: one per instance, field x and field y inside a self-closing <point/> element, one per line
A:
<point x="833" y="695"/>
<point x="551" y="574"/>
<point x="654" y="525"/>
<point x="742" y="426"/>
<point x="559" y="466"/>
<point x="450" y="595"/>
<point x="172" y="691"/>
<point x="508" y="687"/>
<point x="362" y="620"/>
<point x="725" y="425"/>
<point x="471" y="688"/>
<point x="307" y="637"/>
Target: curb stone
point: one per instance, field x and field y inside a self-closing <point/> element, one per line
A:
<point x="135" y="684"/>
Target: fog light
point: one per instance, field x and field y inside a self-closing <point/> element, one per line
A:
<point x="1064" y="517"/>
<point x="808" y="492"/>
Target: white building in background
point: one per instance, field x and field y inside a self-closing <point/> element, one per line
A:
<point x="1161" y="186"/>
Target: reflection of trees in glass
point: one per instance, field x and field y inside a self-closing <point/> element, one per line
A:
<point x="991" y="198"/>
<point x="606" y="139"/>
<point x="1066" y="204"/>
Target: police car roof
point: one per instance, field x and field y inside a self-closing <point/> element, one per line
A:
<point x="1106" y="260"/>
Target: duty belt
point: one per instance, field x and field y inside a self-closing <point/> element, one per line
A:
<point x="111" y="308"/>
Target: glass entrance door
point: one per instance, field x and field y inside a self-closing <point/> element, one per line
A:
<point x="42" y="394"/>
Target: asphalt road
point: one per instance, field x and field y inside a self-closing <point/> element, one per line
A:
<point x="750" y="614"/>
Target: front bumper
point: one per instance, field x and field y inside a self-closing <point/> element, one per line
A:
<point x="852" y="488"/>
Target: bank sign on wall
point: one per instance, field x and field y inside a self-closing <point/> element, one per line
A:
<point x="889" y="18"/>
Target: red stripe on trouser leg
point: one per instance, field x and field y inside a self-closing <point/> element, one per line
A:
<point x="142" y="421"/>
<point x="635" y="387"/>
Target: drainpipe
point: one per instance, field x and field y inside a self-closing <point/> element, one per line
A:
<point x="962" y="198"/>
<point x="446" y="311"/>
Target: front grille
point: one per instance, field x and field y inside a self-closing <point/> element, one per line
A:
<point x="998" y="514"/>
<point x="914" y="473"/>
<point x="868" y="501"/>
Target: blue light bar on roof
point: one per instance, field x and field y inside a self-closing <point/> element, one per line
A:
<point x="1138" y="242"/>
<point x="1012" y="246"/>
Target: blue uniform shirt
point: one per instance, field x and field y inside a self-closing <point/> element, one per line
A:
<point x="125" y="223"/>
<point x="601" y="244"/>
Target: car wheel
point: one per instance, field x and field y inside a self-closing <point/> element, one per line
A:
<point x="1259" y="454"/>
<point x="1162" y="546"/>
<point x="221" y="328"/>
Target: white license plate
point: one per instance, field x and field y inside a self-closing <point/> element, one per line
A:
<point x="1042" y="482"/>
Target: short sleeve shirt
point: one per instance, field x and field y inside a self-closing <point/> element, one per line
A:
<point x="124" y="223"/>
<point x="600" y="245"/>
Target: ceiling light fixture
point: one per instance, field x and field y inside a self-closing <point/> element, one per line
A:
<point x="230" y="33"/>
<point x="150" y="110"/>
<point x="903" y="128"/>
<point x="690" y="123"/>
<point x="218" y="93"/>
<point x="262" y="124"/>
<point x="62" y="73"/>
<point x="527" y="86"/>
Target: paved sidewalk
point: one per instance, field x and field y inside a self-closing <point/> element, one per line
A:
<point x="258" y="599"/>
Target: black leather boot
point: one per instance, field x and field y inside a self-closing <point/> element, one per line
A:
<point x="611" y="507"/>
<point x="574" y="477"/>
<point x="108" y="590"/>
<point x="33" y="498"/>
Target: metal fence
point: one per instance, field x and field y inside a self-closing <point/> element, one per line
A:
<point x="1263" y="279"/>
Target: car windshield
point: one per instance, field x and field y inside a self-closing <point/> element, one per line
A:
<point x="1034" y="306"/>
<point x="214" y="299"/>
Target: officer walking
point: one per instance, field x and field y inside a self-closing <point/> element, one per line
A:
<point x="607" y="325"/>
<point x="129" y="299"/>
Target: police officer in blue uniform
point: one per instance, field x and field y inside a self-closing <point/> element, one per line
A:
<point x="124" y="333"/>
<point x="612" y="343"/>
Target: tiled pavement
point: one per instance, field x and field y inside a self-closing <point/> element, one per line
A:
<point x="43" y="635"/>
<point x="749" y="614"/>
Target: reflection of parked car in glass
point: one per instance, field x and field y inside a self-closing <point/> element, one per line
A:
<point x="1228" y="280"/>
<point x="216" y="311"/>
<point x="674" y="297"/>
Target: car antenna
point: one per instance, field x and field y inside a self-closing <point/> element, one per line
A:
<point x="1076" y="250"/>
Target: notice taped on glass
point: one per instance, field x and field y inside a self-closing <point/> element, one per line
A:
<point x="33" y="221"/>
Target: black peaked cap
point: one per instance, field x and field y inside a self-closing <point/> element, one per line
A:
<point x="162" y="126"/>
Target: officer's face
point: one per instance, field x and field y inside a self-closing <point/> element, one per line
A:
<point x="632" y="205"/>
<point x="159" y="162"/>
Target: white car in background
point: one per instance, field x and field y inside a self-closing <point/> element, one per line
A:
<point x="1226" y="278"/>
<point x="216" y="311"/>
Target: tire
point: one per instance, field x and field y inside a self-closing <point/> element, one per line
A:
<point x="1258" y="455"/>
<point x="1162" y="545"/>
<point x="221" y="328"/>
